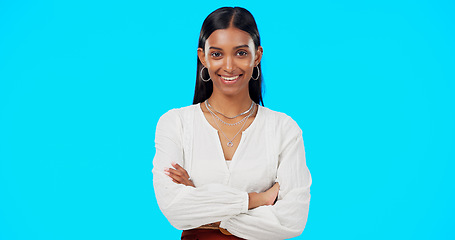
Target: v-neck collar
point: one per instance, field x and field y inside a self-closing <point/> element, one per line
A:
<point x="242" y="135"/>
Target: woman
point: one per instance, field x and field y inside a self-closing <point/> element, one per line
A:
<point x="227" y="167"/>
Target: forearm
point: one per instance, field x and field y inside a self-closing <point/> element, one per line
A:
<point x="254" y="200"/>
<point x="187" y="207"/>
<point x="285" y="219"/>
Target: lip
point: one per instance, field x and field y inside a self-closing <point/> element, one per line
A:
<point x="230" y="79"/>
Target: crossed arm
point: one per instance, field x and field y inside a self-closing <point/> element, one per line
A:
<point x="180" y="176"/>
<point x="247" y="215"/>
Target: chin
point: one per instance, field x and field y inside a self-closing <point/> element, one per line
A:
<point x="232" y="92"/>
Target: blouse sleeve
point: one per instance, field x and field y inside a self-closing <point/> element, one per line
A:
<point x="188" y="207"/>
<point x="288" y="216"/>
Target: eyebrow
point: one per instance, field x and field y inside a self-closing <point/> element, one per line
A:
<point x="241" y="46"/>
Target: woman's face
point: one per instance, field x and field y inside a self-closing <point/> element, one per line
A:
<point x="230" y="57"/>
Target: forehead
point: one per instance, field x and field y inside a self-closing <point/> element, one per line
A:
<point x="228" y="38"/>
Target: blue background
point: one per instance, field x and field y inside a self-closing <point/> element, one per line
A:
<point x="83" y="83"/>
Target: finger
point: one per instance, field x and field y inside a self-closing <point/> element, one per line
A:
<point x="191" y="183"/>
<point x="175" y="172"/>
<point x="277" y="185"/>
<point x="182" y="180"/>
<point x="176" y="165"/>
<point x="274" y="189"/>
<point x="177" y="177"/>
<point x="179" y="168"/>
<point x="181" y="172"/>
<point x="172" y="174"/>
<point x="168" y="174"/>
<point x="185" y="175"/>
<point x="176" y="181"/>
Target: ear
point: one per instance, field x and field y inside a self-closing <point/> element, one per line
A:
<point x="258" y="57"/>
<point x="201" y="56"/>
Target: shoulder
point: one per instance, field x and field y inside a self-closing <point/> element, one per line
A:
<point x="283" y="123"/>
<point x="179" y="112"/>
<point x="176" y="116"/>
<point x="286" y="131"/>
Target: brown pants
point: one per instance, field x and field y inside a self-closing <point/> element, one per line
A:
<point x="206" y="234"/>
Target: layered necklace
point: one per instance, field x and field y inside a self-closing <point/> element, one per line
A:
<point x="215" y="117"/>
<point x="249" y="109"/>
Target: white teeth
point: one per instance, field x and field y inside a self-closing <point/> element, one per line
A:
<point x="230" y="78"/>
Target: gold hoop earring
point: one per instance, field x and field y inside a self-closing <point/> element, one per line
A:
<point x="200" y="74"/>
<point x="259" y="74"/>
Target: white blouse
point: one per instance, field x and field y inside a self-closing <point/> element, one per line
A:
<point x="270" y="150"/>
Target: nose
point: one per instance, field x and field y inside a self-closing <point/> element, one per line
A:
<point x="229" y="64"/>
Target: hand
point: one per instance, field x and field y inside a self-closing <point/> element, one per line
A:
<point x="264" y="198"/>
<point x="179" y="175"/>
<point x="214" y="225"/>
<point x="271" y="195"/>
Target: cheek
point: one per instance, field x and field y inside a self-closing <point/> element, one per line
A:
<point x="212" y="65"/>
<point x="245" y="63"/>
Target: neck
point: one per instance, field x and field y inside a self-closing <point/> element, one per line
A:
<point x="230" y="105"/>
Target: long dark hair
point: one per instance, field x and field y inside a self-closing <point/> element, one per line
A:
<point x="222" y="19"/>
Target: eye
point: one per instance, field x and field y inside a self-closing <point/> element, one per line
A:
<point x="216" y="54"/>
<point x="242" y="53"/>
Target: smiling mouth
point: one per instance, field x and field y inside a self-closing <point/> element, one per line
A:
<point x="229" y="78"/>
